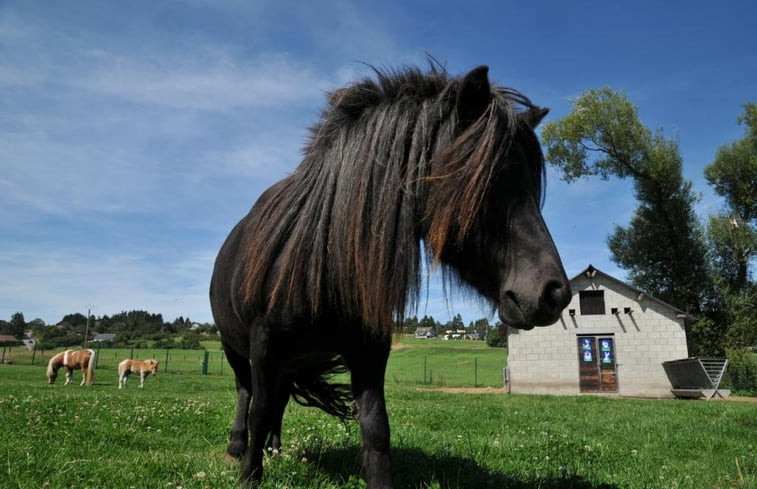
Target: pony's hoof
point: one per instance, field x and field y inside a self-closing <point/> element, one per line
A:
<point x="230" y="459"/>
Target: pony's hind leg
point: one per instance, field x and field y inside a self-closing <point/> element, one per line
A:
<point x="238" y="436"/>
<point x="283" y="390"/>
<point x="83" y="375"/>
<point x="367" y="369"/>
<point x="69" y="375"/>
<point x="265" y="378"/>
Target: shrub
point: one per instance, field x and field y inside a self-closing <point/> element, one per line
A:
<point x="741" y="374"/>
<point x="497" y="337"/>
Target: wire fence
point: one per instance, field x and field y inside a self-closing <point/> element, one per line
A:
<point x="171" y="360"/>
<point x="445" y="368"/>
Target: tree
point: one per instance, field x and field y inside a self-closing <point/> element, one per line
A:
<point x="732" y="236"/>
<point x="428" y="322"/>
<point x="663" y="246"/>
<point x="17" y="325"/>
<point x="481" y="326"/>
<point x="456" y="323"/>
<point x="497" y="336"/>
<point x="733" y="176"/>
<point x="409" y="325"/>
<point x="75" y="320"/>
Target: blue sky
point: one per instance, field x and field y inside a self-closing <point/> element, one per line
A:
<point x="134" y="135"/>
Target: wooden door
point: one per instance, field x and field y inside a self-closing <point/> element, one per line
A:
<point x="597" y="368"/>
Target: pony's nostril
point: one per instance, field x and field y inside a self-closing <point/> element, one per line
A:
<point x="556" y="295"/>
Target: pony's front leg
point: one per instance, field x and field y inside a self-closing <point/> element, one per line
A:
<point x="69" y="376"/>
<point x="368" y="390"/>
<point x="142" y="376"/>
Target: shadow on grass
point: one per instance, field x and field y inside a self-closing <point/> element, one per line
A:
<point x="413" y="468"/>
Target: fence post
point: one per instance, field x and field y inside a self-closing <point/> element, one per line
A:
<point x="424" y="370"/>
<point x="205" y="362"/>
<point x="475" y="371"/>
<point x="3" y="360"/>
<point x="166" y="367"/>
<point x="131" y="355"/>
<point x="97" y="355"/>
<point x="34" y="351"/>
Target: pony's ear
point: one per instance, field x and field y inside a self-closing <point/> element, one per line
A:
<point x="473" y="96"/>
<point x="534" y="116"/>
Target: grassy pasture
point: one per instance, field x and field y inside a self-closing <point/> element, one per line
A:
<point x="443" y="363"/>
<point x="172" y="434"/>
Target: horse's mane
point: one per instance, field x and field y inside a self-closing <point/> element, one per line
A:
<point x="386" y="167"/>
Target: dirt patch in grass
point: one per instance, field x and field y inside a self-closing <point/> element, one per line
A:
<point x="465" y="390"/>
<point x="500" y="390"/>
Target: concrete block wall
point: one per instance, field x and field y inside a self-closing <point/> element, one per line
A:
<point x="545" y="360"/>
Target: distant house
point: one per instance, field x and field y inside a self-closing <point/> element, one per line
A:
<point x="8" y="340"/>
<point x="475" y="335"/>
<point x="612" y="338"/>
<point x="425" y="332"/>
<point x="104" y="337"/>
<point x="454" y="334"/>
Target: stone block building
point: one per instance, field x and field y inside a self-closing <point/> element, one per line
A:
<point x="611" y="339"/>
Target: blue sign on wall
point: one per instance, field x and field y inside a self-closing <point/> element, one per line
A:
<point x="606" y="351"/>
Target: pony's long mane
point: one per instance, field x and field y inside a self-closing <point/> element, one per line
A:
<point x="388" y="167"/>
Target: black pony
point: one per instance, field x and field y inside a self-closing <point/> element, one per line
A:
<point x="407" y="167"/>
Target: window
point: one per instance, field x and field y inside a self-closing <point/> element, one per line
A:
<point x="592" y="302"/>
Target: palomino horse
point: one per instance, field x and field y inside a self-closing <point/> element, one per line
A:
<point x="71" y="359"/>
<point x="141" y="367"/>
<point x="408" y="167"/>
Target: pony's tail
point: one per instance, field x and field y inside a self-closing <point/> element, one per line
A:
<point x="51" y="373"/>
<point x="91" y="366"/>
<point x="311" y="388"/>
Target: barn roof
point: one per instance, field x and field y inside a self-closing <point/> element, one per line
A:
<point x="592" y="271"/>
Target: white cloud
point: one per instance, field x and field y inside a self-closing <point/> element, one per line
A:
<point x="50" y="282"/>
<point x="212" y="80"/>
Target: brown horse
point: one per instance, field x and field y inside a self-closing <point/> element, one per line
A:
<point x="141" y="367"/>
<point x="71" y="359"/>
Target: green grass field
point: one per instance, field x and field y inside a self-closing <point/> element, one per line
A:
<point x="443" y="363"/>
<point x="172" y="434"/>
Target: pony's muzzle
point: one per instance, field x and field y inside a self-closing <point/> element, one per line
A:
<point x="524" y="311"/>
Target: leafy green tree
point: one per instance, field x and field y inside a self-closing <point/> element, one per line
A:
<point x="428" y="322"/>
<point x="409" y="325"/>
<point x="732" y="236"/>
<point x="663" y="246"/>
<point x="497" y="336"/>
<point x="481" y="325"/>
<point x="74" y="320"/>
<point x="36" y="325"/>
<point x="456" y="323"/>
<point x="17" y="325"/>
